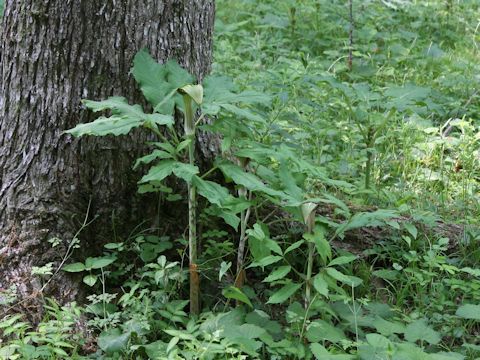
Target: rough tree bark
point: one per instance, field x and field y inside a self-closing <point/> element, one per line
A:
<point x="53" y="53"/>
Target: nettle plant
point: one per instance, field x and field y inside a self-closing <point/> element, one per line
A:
<point x="271" y="174"/>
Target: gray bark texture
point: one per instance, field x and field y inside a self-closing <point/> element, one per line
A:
<point x="53" y="53"/>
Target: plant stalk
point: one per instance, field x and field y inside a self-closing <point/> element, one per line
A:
<point x="368" y="170"/>
<point x="240" y="279"/>
<point x="308" y="287"/>
<point x="244" y="217"/>
<point x="368" y="166"/>
<point x="311" y="251"/>
<point x="192" y="212"/>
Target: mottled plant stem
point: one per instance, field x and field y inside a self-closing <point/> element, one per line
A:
<point x="244" y="216"/>
<point x="192" y="212"/>
<point x="311" y="250"/>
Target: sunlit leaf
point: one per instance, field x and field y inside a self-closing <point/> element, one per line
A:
<point x="124" y="118"/>
<point x="282" y="295"/>
<point x="75" y="267"/>
<point x="469" y="311"/>
<point x="90" y="280"/>
<point x="113" y="341"/>
<point x="419" y="330"/>
<point x="159" y="82"/>
<point x="278" y="273"/>
<point x="235" y="293"/>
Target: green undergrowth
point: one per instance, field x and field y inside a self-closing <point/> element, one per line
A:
<point x="353" y="191"/>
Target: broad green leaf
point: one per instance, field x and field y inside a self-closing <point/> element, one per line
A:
<point x="262" y="319"/>
<point x="185" y="171"/>
<point x="224" y="267"/>
<point x="213" y="192"/>
<point x="156" y="350"/>
<point x="260" y="243"/>
<point x="320" y="285"/>
<point x="471" y="346"/>
<point x="378" y="341"/>
<point x="369" y="352"/>
<point x="113" y="341"/>
<point x="243" y="113"/>
<point x="393" y="224"/>
<point x="183" y="145"/>
<point x="117" y="104"/>
<point x="469" y="270"/>
<point x="90" y="280"/>
<point x="272" y="245"/>
<point x="235" y="293"/>
<point x="342" y="260"/>
<point x="280" y="296"/>
<point x="227" y="215"/>
<point x="225" y="205"/>
<point x="321" y="244"/>
<point x="124" y="118"/>
<point x="320" y="330"/>
<point x="294" y="246"/>
<point x="172" y="343"/>
<point x="245" y="331"/>
<point x="246" y="179"/>
<point x="330" y="199"/>
<point x="114" y="246"/>
<point x="114" y="125"/>
<point x="165" y="168"/>
<point x="419" y="330"/>
<point x="220" y="92"/>
<point x="7" y="352"/>
<point x="98" y="262"/>
<point x="404" y="97"/>
<point x="367" y="219"/>
<point x="345" y="279"/>
<point x="258" y="248"/>
<point x="169" y="148"/>
<point x="380" y="309"/>
<point x="75" y="267"/>
<point x="388" y="328"/>
<point x="159" y="172"/>
<point x="289" y="182"/>
<point x="10" y="320"/>
<point x="257" y="152"/>
<point x="159" y="82"/>
<point x="59" y="351"/>
<point x="180" y="334"/>
<point x="278" y="273"/>
<point x="154" y="155"/>
<point x="407" y="351"/>
<point x="321" y="353"/>
<point x="469" y="311"/>
<point x="411" y="229"/>
<point x="149" y="251"/>
<point x="447" y="356"/>
<point x="268" y="260"/>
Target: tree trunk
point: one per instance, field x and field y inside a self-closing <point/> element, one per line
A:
<point x="53" y="53"/>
